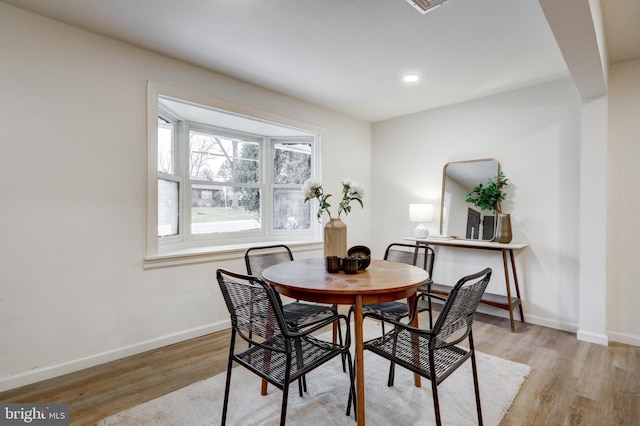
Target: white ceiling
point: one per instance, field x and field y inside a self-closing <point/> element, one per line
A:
<point x="350" y="55"/>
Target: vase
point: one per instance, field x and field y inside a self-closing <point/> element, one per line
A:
<point x="503" y="228"/>
<point x="335" y="238"/>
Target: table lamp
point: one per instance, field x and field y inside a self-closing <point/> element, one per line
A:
<point x="421" y="213"/>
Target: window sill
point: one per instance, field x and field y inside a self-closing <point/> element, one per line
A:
<point x="191" y="256"/>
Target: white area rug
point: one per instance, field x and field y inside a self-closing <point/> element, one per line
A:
<point x="325" y="402"/>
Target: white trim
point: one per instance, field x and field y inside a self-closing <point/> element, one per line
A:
<point x="626" y="338"/>
<point x="195" y="255"/>
<point x="152" y="173"/>
<point x="60" y="369"/>
<point x="531" y="319"/>
<point x="600" y="339"/>
<point x="243" y="110"/>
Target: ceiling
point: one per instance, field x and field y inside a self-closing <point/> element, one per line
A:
<point x="351" y="55"/>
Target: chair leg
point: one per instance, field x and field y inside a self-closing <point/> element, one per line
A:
<point x="300" y="387"/>
<point x="392" y="366"/>
<point x="227" y="384"/>
<point x="302" y="384"/>
<point x="434" y="386"/>
<point x="344" y="367"/>
<point x="349" y="321"/>
<point x="392" y="373"/>
<point x="352" y="388"/>
<point x="436" y="403"/>
<point x="474" y="369"/>
<point x="283" y="411"/>
<point x="285" y="391"/>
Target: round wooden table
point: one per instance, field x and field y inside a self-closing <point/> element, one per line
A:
<point x="382" y="281"/>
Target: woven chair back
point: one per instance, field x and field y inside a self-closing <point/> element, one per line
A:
<point x="455" y="319"/>
<point x="257" y="259"/>
<point x="422" y="256"/>
<point x="255" y="312"/>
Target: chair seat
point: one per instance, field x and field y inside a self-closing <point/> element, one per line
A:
<point x="393" y="311"/>
<point x="307" y="353"/>
<point x="300" y="314"/>
<point x="400" y="345"/>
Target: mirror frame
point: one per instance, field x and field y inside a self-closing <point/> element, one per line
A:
<point x="481" y="179"/>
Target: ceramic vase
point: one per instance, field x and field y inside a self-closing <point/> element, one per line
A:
<point x="335" y="238"/>
<point x="503" y="228"/>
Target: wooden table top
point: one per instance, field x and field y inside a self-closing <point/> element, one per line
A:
<point x="310" y="276"/>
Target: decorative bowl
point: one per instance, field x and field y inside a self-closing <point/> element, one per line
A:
<point x="361" y="252"/>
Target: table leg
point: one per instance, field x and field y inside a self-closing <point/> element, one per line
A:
<point x="506" y="279"/>
<point x="515" y="282"/>
<point x="411" y="300"/>
<point x="359" y="359"/>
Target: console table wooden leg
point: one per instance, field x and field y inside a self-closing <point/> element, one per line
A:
<point x="506" y="280"/>
<point x="515" y="282"/>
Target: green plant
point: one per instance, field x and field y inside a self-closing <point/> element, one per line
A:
<point x="489" y="197"/>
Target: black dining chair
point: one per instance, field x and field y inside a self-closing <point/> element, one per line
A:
<point x="277" y="352"/>
<point x="298" y="314"/>
<point x="434" y="353"/>
<point x="417" y="255"/>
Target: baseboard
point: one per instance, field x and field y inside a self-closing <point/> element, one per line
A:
<point x="531" y="319"/>
<point x="600" y="339"/>
<point x="37" y="375"/>
<point x="546" y="322"/>
<point x="628" y="339"/>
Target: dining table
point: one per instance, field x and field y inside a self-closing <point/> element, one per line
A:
<point x="382" y="281"/>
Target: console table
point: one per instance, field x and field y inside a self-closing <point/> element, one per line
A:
<point x="507" y="302"/>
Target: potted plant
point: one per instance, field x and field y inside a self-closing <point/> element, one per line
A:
<point x="335" y="231"/>
<point x="490" y="197"/>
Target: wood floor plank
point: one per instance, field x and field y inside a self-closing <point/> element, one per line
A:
<point x="571" y="382"/>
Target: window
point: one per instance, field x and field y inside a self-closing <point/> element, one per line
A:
<point x="291" y="167"/>
<point x="226" y="178"/>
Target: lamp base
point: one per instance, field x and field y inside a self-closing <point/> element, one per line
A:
<point x="420" y="231"/>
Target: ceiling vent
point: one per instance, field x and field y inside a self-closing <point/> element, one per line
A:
<point x="424" y="6"/>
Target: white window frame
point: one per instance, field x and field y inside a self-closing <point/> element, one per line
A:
<point x="185" y="244"/>
<point x="176" y="175"/>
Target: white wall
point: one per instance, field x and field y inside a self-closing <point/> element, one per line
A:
<point x="592" y="303"/>
<point x="623" y="245"/>
<point x="535" y="134"/>
<point x="73" y="292"/>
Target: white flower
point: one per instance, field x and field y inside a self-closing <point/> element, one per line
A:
<point x="350" y="191"/>
<point x="310" y="188"/>
<point x="357" y="190"/>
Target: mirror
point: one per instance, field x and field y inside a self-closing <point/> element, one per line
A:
<point x="457" y="217"/>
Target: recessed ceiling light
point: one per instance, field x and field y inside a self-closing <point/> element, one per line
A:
<point x="411" y="78"/>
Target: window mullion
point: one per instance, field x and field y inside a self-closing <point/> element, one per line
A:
<point x="182" y="156"/>
<point x="266" y="182"/>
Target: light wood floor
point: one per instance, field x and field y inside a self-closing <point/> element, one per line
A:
<point x="571" y="383"/>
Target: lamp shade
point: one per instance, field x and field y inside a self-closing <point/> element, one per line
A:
<point x="421" y="213"/>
